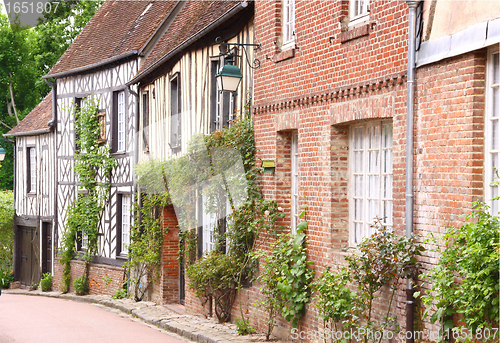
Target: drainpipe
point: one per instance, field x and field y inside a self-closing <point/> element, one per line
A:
<point x="53" y="125"/>
<point x="410" y="104"/>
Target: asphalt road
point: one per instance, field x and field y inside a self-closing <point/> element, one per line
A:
<point x="31" y="319"/>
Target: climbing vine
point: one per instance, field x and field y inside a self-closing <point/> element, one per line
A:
<point x="93" y="165"/>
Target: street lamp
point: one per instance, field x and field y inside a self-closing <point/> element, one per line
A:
<point x="229" y="75"/>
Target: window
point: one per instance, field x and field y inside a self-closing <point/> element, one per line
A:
<point x="358" y="11"/>
<point x="222" y="103"/>
<point x="123" y="224"/>
<point x="118" y="122"/>
<point x="78" y="106"/>
<point x="492" y="130"/>
<point x="121" y="121"/>
<point x="209" y="224"/>
<point x="370" y="146"/>
<point x="294" y="203"/>
<point x="145" y="121"/>
<point x="288" y="23"/>
<point x="175" y="112"/>
<point x="31" y="166"/>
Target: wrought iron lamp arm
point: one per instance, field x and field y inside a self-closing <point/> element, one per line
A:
<point x="224" y="46"/>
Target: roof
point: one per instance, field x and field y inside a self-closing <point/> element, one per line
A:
<point x="36" y="121"/>
<point x="118" y="28"/>
<point x="195" y="18"/>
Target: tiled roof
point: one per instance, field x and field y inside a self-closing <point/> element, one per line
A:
<point x="117" y="28"/>
<point x="37" y="119"/>
<point x="193" y="18"/>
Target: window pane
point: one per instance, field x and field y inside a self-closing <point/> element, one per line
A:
<point x="496" y="69"/>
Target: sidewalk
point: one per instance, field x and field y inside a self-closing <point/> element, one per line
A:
<point x="192" y="327"/>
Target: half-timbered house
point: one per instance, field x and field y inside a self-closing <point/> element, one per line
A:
<point x="99" y="63"/>
<point x="34" y="193"/>
<point x="179" y="97"/>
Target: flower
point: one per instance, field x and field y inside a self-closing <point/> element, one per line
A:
<point x="280" y="209"/>
<point x="266" y="212"/>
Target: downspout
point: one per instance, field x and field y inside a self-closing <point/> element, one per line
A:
<point x="53" y="125"/>
<point x="410" y="105"/>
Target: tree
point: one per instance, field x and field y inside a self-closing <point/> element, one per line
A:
<point x="27" y="54"/>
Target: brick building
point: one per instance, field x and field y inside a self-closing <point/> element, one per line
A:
<point x="331" y="107"/>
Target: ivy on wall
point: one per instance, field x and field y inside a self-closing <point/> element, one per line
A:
<point x="93" y="165"/>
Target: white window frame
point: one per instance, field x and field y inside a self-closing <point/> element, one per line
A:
<point x="126" y="221"/>
<point x="359" y="11"/>
<point x="121" y="121"/>
<point x="209" y="223"/>
<point x="288" y="27"/>
<point x="32" y="166"/>
<point x="370" y="178"/>
<point x="294" y="191"/>
<point x="492" y="130"/>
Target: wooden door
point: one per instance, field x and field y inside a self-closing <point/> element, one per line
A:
<point x="46" y="248"/>
<point x="30" y="261"/>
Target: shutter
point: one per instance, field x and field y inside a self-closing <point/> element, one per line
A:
<point x="213" y="96"/>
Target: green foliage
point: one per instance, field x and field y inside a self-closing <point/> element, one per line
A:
<point x="120" y="294"/>
<point x="188" y="245"/>
<point x="243" y="327"/>
<point x="214" y="277"/>
<point x="28" y="54"/>
<point x="6" y="229"/>
<point x="466" y="278"/>
<point x="293" y="276"/>
<point x="335" y="300"/>
<point x="146" y="239"/>
<point x="6" y="277"/>
<point x="93" y="166"/>
<point x="46" y="282"/>
<point x="384" y="258"/>
<point x="81" y="285"/>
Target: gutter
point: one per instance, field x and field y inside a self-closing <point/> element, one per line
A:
<point x="410" y="108"/>
<point x="235" y="10"/>
<point x="91" y="66"/>
<point x="29" y="133"/>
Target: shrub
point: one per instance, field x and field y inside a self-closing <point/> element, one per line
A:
<point x="214" y="276"/>
<point x="81" y="285"/>
<point x="46" y="282"/>
<point x="6" y="277"/>
<point x="466" y="278"/>
<point x="6" y="229"/>
<point x="120" y="294"/>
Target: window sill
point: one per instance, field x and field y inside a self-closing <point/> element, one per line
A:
<point x="284" y="55"/>
<point x="121" y="257"/>
<point x="118" y="153"/>
<point x="31" y="194"/>
<point x="355" y="32"/>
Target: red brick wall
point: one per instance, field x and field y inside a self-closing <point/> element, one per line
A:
<point x="166" y="289"/>
<point x="333" y="79"/>
<point x="103" y="279"/>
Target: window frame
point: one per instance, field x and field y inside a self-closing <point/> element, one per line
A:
<point x="365" y="195"/>
<point x="175" y="112"/>
<point x="288" y="24"/>
<point x="123" y="226"/>
<point x="145" y="121"/>
<point x="121" y="121"/>
<point x="31" y="182"/>
<point x="489" y="151"/>
<point x="222" y="104"/>
<point x="361" y="17"/>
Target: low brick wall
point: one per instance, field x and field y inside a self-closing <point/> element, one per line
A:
<point x="103" y="279"/>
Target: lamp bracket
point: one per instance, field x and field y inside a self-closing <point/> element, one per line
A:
<point x="225" y="47"/>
